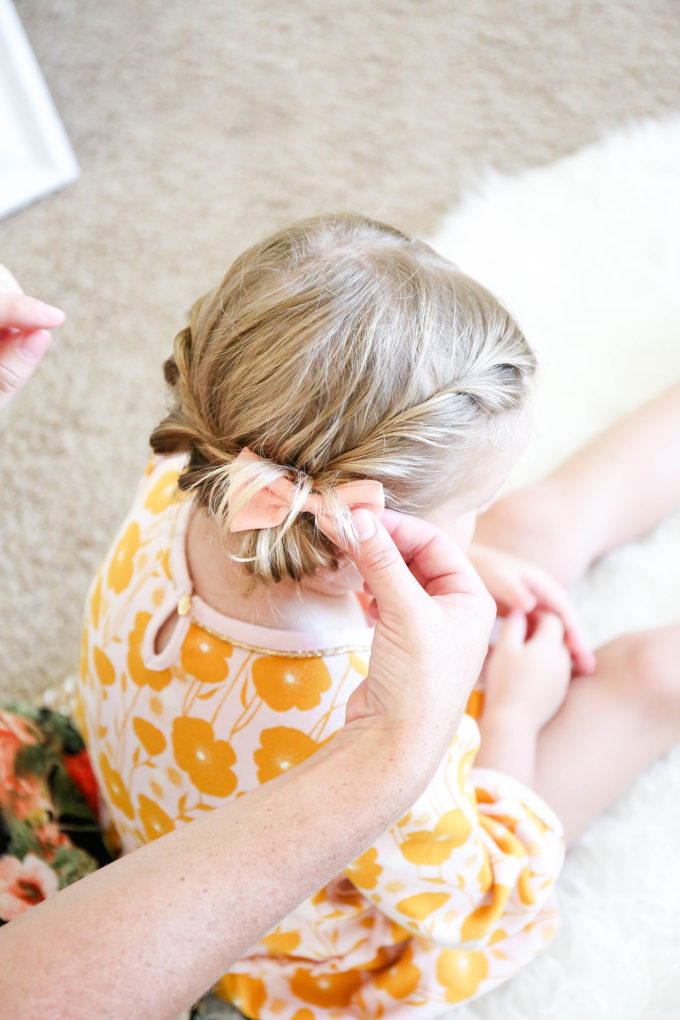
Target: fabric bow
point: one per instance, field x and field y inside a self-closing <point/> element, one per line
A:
<point x="270" y="505"/>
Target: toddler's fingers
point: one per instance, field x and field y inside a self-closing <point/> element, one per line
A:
<point x="513" y="631"/>
<point x="553" y="597"/>
<point x="549" y="627"/>
<point x="513" y="595"/>
<point x="583" y="658"/>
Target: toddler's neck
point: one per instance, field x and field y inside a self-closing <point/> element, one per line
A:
<point x="315" y="605"/>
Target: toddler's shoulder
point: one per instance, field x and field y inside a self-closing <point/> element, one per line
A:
<point x="158" y="488"/>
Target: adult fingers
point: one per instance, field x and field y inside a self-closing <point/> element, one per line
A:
<point x="381" y="564"/>
<point x="19" y="311"/>
<point x="19" y="358"/>
<point x="437" y="563"/>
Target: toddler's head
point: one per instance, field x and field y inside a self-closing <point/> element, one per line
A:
<point x="339" y="349"/>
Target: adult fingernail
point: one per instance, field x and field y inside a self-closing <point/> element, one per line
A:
<point x="53" y="316"/>
<point x="364" y="522"/>
<point x="33" y="346"/>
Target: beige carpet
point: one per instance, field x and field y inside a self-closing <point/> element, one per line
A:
<point x="201" y="126"/>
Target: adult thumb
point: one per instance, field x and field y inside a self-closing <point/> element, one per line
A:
<point x="380" y="563"/>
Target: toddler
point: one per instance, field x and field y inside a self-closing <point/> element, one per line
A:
<point x="340" y="364"/>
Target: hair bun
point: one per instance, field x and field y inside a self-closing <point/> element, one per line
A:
<point x="171" y="371"/>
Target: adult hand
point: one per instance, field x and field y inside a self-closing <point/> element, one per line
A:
<point x="24" y="334"/>
<point x="434" y="617"/>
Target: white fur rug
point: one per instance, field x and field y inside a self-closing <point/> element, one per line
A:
<point x="586" y="253"/>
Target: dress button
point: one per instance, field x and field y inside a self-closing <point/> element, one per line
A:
<point x="184" y="605"/>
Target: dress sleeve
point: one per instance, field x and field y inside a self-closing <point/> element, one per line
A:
<point x="473" y="862"/>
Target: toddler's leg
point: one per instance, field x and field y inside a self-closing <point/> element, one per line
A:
<point x="614" y="489"/>
<point x="611" y="726"/>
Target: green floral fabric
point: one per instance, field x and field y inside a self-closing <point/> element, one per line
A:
<point x="50" y="834"/>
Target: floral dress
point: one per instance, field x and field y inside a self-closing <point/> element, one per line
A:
<point x="446" y="905"/>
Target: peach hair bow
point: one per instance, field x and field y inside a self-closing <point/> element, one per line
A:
<point x="270" y="505"/>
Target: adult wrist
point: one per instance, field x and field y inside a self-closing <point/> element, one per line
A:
<point x="396" y="755"/>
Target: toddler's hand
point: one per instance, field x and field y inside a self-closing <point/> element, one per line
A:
<point x="24" y="334"/>
<point x="530" y="671"/>
<point x="518" y="585"/>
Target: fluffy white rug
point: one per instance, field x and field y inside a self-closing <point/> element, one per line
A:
<point x="586" y="253"/>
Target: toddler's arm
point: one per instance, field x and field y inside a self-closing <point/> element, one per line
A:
<point x="526" y="680"/>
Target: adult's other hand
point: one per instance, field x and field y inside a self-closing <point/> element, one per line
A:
<point x="25" y="325"/>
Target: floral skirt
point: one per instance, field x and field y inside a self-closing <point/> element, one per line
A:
<point x="50" y="835"/>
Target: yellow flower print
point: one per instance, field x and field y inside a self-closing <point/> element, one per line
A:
<point x="115" y="786"/>
<point x="475" y="703"/>
<point x="524" y="887"/>
<point x="285" y="683"/>
<point x="205" y="759"/>
<point x="433" y="848"/>
<point x="203" y="655"/>
<point x="326" y="990"/>
<point x="358" y="664"/>
<point x="150" y="737"/>
<point x="84" y="658"/>
<point x="104" y="668"/>
<point x="156" y="679"/>
<point x="485" y="876"/>
<point x="153" y="818"/>
<point x="504" y="840"/>
<point x="247" y="993"/>
<point x="461" y="973"/>
<point x="364" y="871"/>
<point x="401" y="978"/>
<point x="480" y="920"/>
<point x="303" y="1014"/>
<point x="464" y="766"/>
<point x="163" y="493"/>
<point x="120" y="568"/>
<point x="280" y="749"/>
<point x="422" y="904"/>
<point x="281" y="943"/>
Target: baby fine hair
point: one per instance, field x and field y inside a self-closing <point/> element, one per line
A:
<point x="337" y="349"/>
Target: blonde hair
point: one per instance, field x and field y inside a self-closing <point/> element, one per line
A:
<point x="337" y="349"/>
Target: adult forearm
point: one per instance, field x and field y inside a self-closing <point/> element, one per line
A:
<point x="508" y="741"/>
<point x="108" y="946"/>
